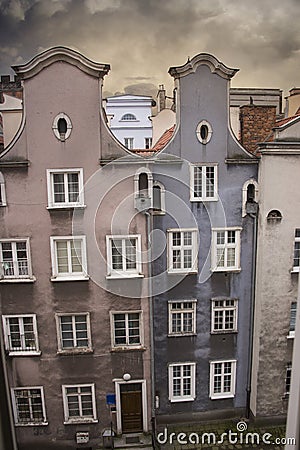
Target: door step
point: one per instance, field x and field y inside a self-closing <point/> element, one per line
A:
<point x="135" y="441"/>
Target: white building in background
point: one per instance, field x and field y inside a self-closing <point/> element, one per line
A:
<point x="129" y="118"/>
<point x="11" y="110"/>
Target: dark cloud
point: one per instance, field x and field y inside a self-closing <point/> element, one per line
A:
<point x="141" y="39"/>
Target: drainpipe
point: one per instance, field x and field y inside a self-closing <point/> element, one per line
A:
<point x="252" y="210"/>
<point x="148" y="231"/>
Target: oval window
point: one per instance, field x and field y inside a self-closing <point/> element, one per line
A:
<point x="62" y="126"/>
<point x="204" y="132"/>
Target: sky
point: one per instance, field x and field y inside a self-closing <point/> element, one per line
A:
<point x="141" y="39"/>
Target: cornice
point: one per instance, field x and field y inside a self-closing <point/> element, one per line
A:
<point x="63" y="54"/>
<point x="207" y="59"/>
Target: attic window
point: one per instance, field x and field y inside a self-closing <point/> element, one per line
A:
<point x="204" y="132"/>
<point x="62" y="127"/>
<point x="128" y="117"/>
<point x="274" y="215"/>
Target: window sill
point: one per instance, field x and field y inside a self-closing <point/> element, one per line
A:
<point x="176" y="335"/>
<point x="177" y="400"/>
<point x="18" y="280"/>
<point x="224" y="332"/>
<point x="291" y="335"/>
<point x="182" y="272"/>
<point x="75" y="351"/>
<point x="32" y="424"/>
<point x="221" y="397"/>
<point x="70" y="278"/>
<point x="24" y="353"/>
<point x="80" y="420"/>
<point x="120" y="276"/>
<point x="223" y="269"/>
<point x="295" y="270"/>
<point x="65" y="207"/>
<point x="128" y="349"/>
<point x="204" y="200"/>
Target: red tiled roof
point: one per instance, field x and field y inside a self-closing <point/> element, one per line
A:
<point x="281" y="122"/>
<point x="164" y="139"/>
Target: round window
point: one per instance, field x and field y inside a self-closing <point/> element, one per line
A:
<point x="204" y="132"/>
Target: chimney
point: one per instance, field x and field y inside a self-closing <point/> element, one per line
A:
<point x="161" y="95"/>
<point x="256" y="124"/>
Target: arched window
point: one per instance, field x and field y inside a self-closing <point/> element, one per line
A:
<point x="249" y="195"/>
<point x="143" y="189"/>
<point x="2" y="191"/>
<point x="128" y="116"/>
<point x="274" y="216"/>
<point x="62" y="126"/>
<point x="158" y="202"/>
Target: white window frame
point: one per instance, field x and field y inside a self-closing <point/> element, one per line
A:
<point x="223" y="309"/>
<point x="75" y="348"/>
<point x="226" y="246"/>
<point x="182" y="311"/>
<point x="293" y="313"/>
<point x="16" y="277"/>
<point x="128" y="117"/>
<point x="23" y="351"/>
<point x="2" y="191"/>
<point x="162" y="210"/>
<point x="79" y="419"/>
<point x="218" y="395"/>
<point x="128" y="142"/>
<point x="68" y="276"/>
<point x="148" y="142"/>
<point x="15" y="409"/>
<point x="141" y="330"/>
<point x="296" y="268"/>
<point x="50" y="189"/>
<point x="124" y="273"/>
<point x="288" y="379"/>
<point x="182" y="398"/>
<point x="62" y="137"/>
<point x="204" y="197"/>
<point x="181" y="248"/>
<point x="136" y="182"/>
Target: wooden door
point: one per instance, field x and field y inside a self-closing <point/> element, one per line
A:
<point x="131" y="407"/>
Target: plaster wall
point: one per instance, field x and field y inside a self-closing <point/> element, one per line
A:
<point x="276" y="285"/>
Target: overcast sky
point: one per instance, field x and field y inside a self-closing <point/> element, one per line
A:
<point x="141" y="39"/>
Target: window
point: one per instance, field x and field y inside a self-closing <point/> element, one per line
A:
<point x="65" y="188"/>
<point x="203" y="182"/>
<point x="293" y="320"/>
<point x="182" y="317"/>
<point x="249" y="197"/>
<point x="182" y="382"/>
<point x="148" y="142"/>
<point x="126" y="329"/>
<point x="222" y="379"/>
<point x="128" y="142"/>
<point x="79" y="403"/>
<point x="15" y="260"/>
<point x="20" y="333"/>
<point x="68" y="255"/>
<point x="288" y="377"/>
<point x="74" y="332"/>
<point x="124" y="256"/>
<point x="182" y="250"/>
<point x="29" y="406"/>
<point x="2" y="191"/>
<point x="224" y="315"/>
<point x="204" y="132"/>
<point x="225" y="249"/>
<point x="62" y="127"/>
<point x="296" y="264"/>
<point x="159" y="202"/>
<point x="128" y="116"/>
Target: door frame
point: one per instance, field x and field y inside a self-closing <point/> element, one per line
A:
<point x="118" y="402"/>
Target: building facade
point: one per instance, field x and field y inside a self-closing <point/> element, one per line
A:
<point x="202" y="280"/>
<point x="75" y="311"/>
